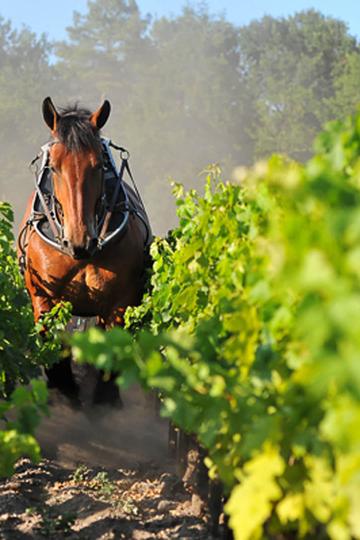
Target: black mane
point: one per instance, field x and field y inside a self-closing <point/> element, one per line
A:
<point x="75" y="131"/>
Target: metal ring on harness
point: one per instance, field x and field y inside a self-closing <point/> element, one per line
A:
<point x="124" y="154"/>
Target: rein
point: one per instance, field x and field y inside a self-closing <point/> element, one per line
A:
<point x="49" y="203"/>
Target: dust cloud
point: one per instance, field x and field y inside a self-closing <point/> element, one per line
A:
<point x="171" y="83"/>
<point x="103" y="436"/>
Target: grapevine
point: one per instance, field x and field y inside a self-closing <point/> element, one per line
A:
<point x="250" y="333"/>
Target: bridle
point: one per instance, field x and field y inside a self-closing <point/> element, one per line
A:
<point x="50" y="208"/>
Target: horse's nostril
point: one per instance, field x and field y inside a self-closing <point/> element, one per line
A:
<point x="80" y="253"/>
<point x="65" y="243"/>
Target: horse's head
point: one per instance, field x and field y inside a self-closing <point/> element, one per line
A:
<point x="76" y="163"/>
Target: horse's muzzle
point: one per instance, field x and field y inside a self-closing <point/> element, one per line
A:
<point x="80" y="252"/>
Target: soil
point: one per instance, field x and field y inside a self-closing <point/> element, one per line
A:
<point x="106" y="474"/>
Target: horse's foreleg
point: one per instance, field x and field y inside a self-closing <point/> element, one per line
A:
<point x="106" y="391"/>
<point x="115" y="318"/>
<point x="60" y="374"/>
<point x="41" y="306"/>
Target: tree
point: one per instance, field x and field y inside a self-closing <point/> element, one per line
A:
<point x="186" y="91"/>
<point x="25" y="77"/>
<point x="290" y="66"/>
<point x="102" y="46"/>
<point x="347" y="87"/>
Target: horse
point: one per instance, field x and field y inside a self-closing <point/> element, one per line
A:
<point x="85" y="233"/>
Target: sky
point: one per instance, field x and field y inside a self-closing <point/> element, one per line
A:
<point x="53" y="17"/>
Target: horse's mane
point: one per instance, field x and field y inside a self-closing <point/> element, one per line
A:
<point x="74" y="129"/>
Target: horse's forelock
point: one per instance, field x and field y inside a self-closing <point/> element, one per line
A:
<point x="75" y="131"/>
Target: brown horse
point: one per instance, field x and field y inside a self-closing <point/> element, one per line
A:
<point x="99" y="277"/>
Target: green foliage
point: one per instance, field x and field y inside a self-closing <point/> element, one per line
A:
<point x="251" y="337"/>
<point x="293" y="67"/>
<point x="25" y="76"/>
<point x="18" y="348"/>
<point x="54" y="324"/>
<point x="80" y="474"/>
<point x="51" y="522"/>
<point x="22" y="353"/>
<point x="347" y="98"/>
<point x="103" y="48"/>
<point x="102" y="484"/>
<point x="20" y="415"/>
<point x="22" y="349"/>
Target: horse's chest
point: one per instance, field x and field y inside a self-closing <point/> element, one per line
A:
<point x="91" y="280"/>
<point x="91" y="290"/>
<point x="89" y="284"/>
<point x="94" y="278"/>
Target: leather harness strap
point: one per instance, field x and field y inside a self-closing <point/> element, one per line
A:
<point x="46" y="209"/>
<point x="110" y="210"/>
<point x="47" y="213"/>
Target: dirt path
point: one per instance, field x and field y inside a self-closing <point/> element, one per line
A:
<point x="106" y="475"/>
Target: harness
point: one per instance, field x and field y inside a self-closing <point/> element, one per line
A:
<point x="117" y="202"/>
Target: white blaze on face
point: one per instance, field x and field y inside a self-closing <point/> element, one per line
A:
<point x="78" y="187"/>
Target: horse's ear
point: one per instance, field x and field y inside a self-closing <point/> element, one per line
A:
<point x="98" y="118"/>
<point x="50" y="114"/>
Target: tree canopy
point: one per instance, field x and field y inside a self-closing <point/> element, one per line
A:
<point x="186" y="90"/>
